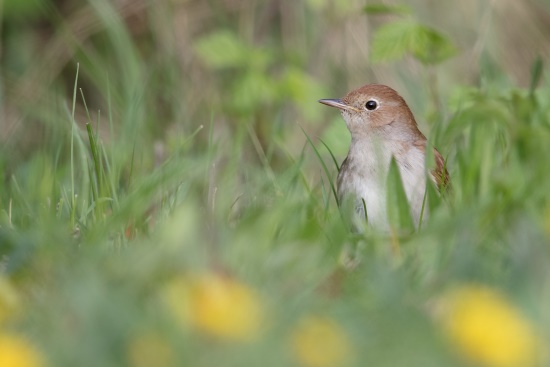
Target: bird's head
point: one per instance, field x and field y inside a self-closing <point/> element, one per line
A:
<point x="376" y="109"/>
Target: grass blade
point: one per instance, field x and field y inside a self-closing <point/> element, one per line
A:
<point x="332" y="155"/>
<point x="325" y="168"/>
<point x="73" y="124"/>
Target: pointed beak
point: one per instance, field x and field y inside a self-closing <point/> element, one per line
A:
<point x="338" y="104"/>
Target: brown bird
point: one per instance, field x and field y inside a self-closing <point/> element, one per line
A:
<point x="382" y="126"/>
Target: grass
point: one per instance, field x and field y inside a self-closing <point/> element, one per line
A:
<point x="150" y="240"/>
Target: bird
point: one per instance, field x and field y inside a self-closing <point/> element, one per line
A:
<point x="383" y="128"/>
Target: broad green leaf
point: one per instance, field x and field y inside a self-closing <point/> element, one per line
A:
<point x="383" y="9"/>
<point x="222" y="49"/>
<point x="399" y="213"/>
<point x="393" y="40"/>
<point x="299" y="88"/>
<point x="430" y="46"/>
<point x="252" y="91"/>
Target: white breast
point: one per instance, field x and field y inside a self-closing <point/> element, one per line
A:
<point x="366" y="179"/>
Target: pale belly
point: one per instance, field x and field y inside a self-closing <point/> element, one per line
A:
<point x="362" y="182"/>
<point x="372" y="191"/>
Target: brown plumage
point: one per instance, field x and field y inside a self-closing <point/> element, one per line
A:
<point x="383" y="128"/>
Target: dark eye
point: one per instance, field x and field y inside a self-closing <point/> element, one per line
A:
<point x="371" y="105"/>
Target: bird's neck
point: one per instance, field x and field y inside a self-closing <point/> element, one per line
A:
<point x="371" y="154"/>
<point x="371" y="142"/>
<point x="377" y="148"/>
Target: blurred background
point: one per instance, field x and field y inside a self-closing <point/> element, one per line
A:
<point x="160" y="69"/>
<point x="166" y="178"/>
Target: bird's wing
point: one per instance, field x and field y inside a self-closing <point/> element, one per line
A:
<point x="439" y="174"/>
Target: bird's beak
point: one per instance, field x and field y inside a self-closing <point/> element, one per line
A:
<point x="338" y="104"/>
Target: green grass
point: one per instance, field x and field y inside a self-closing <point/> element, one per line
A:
<point x="97" y="218"/>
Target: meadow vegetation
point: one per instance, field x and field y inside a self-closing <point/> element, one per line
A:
<point x="167" y="178"/>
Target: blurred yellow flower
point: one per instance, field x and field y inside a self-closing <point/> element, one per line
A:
<point x="216" y="305"/>
<point x="320" y="342"/>
<point x="8" y="300"/>
<point x="486" y="329"/>
<point x="150" y="349"/>
<point x="18" y="352"/>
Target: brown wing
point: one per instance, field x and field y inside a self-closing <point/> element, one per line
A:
<point x="439" y="174"/>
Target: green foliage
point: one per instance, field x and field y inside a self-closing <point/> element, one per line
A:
<point x="394" y="40"/>
<point x="253" y="84"/>
<point x="400" y="37"/>
<point x="337" y="137"/>
<point x="536" y="74"/>
<point x="384" y="9"/>
<point x="325" y="168"/>
<point x="22" y="8"/>
<point x="223" y="49"/>
<point x="399" y="212"/>
<point x="195" y="167"/>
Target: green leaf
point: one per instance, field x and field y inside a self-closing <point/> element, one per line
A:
<point x="222" y="49"/>
<point x="399" y="212"/>
<point x="298" y="87"/>
<point x="383" y="9"/>
<point x="22" y="8"/>
<point x="325" y="168"/>
<point x="393" y="40"/>
<point x="431" y="46"/>
<point x="252" y="91"/>
<point x="536" y="74"/>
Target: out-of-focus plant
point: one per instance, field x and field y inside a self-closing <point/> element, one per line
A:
<point x="321" y="342"/>
<point x="220" y="307"/>
<point x="484" y="327"/>
<point x="17" y="351"/>
<point x="406" y="35"/>
<point x="254" y="84"/>
<point x="185" y="259"/>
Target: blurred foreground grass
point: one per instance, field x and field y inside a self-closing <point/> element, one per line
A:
<point x="179" y="216"/>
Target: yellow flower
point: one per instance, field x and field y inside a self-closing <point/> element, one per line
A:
<point x="150" y="350"/>
<point x="486" y="329"/>
<point x="18" y="352"/>
<point x="320" y="342"/>
<point x="216" y="305"/>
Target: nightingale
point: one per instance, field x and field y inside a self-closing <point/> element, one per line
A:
<point x="383" y="128"/>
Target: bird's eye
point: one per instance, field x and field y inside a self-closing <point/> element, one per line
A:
<point x="371" y="105"/>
